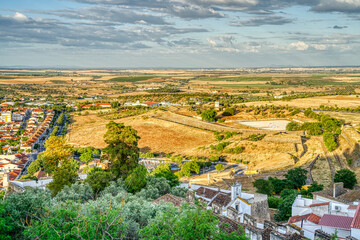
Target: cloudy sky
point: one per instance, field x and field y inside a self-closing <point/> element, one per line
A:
<point x="179" y="33"/>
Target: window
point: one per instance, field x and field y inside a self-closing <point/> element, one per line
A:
<point x="237" y="207"/>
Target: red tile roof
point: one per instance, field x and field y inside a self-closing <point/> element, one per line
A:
<point x="298" y="218"/>
<point x="319" y="204"/>
<point x="336" y="221"/>
<point x="356" y="220"/>
<point x="150" y="103"/>
<point x="314" y="218"/>
<point x="352" y="207"/>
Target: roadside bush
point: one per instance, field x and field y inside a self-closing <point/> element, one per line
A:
<point x="219" y="167"/>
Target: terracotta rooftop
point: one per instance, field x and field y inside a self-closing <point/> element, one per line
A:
<point x="206" y="192"/>
<point x="221" y="199"/>
<point x="297" y="218"/>
<point x="319" y="204"/>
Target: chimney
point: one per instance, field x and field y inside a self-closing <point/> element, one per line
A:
<point x="338" y="189"/>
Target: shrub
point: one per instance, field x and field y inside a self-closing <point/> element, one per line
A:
<point x="330" y="141"/>
<point x="209" y="115"/>
<point x="274" y="202"/>
<point x="219" y="167"/>
<point x="256" y="137"/>
<point x="347" y="177"/>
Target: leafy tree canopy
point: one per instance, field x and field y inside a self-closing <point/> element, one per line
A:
<point x="122" y="148"/>
<point x="346" y="176"/>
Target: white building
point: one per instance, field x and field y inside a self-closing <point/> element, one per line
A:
<point x="234" y="203"/>
<point x="332" y="210"/>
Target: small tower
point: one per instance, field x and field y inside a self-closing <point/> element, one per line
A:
<point x="235" y="190"/>
<point x="6" y="180"/>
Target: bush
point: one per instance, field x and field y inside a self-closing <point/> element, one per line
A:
<point x="292" y="126"/>
<point x="263" y="186"/>
<point x="274" y="202"/>
<point x="219" y="167"/>
<point x="347" y="177"/>
<point x="330" y="141"/>
<point x="256" y="137"/>
<point x="229" y="112"/>
<point x="235" y="150"/>
<point x="209" y="115"/>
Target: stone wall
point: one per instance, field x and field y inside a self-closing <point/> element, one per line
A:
<point x="260" y="207"/>
<point x="319" y="234"/>
<point x="190" y="196"/>
<point x="249" y="220"/>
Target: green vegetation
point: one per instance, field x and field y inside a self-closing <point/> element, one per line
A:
<point x="256" y="137"/>
<point x="164" y="171"/>
<point x="346" y="176"/>
<point x="327" y="126"/>
<point x="235" y="150"/>
<point x="188" y="168"/>
<point x="122" y="150"/>
<point x="220" y="147"/>
<point x="288" y="189"/>
<point x="223" y="136"/>
<point x="209" y="115"/>
<point x="131" y="79"/>
<point x="219" y="167"/>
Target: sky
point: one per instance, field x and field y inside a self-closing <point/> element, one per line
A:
<point x="179" y="33"/>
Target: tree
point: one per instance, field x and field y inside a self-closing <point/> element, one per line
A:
<point x="136" y="180"/>
<point x="122" y="148"/>
<point x="77" y="192"/>
<point x="188" y="168"/>
<point x="65" y="175"/>
<point x="99" y="179"/>
<point x="187" y="223"/>
<point x="280" y="184"/>
<point x="229" y="112"/>
<point x="164" y="170"/>
<point x="219" y="167"/>
<point x="18" y="210"/>
<point x="57" y="151"/>
<point x="314" y="187"/>
<point x="284" y="212"/>
<point x="209" y="115"/>
<point x="263" y="186"/>
<point x="330" y="141"/>
<point x="297" y="177"/>
<point x="347" y="177"/>
<point x="114" y="104"/>
<point x="86" y="157"/>
<point x="292" y="126"/>
<point x="36" y="165"/>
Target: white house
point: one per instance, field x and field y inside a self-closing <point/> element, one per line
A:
<point x="332" y="210"/>
<point x="234" y="203"/>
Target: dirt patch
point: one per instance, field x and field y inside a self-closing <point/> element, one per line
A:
<point x="156" y="135"/>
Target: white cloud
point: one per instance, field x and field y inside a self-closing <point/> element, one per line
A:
<point x="301" y="46"/>
<point x="20" y="17"/>
<point x="319" y="46"/>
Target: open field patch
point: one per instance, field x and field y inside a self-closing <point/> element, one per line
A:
<point x="266" y="124"/>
